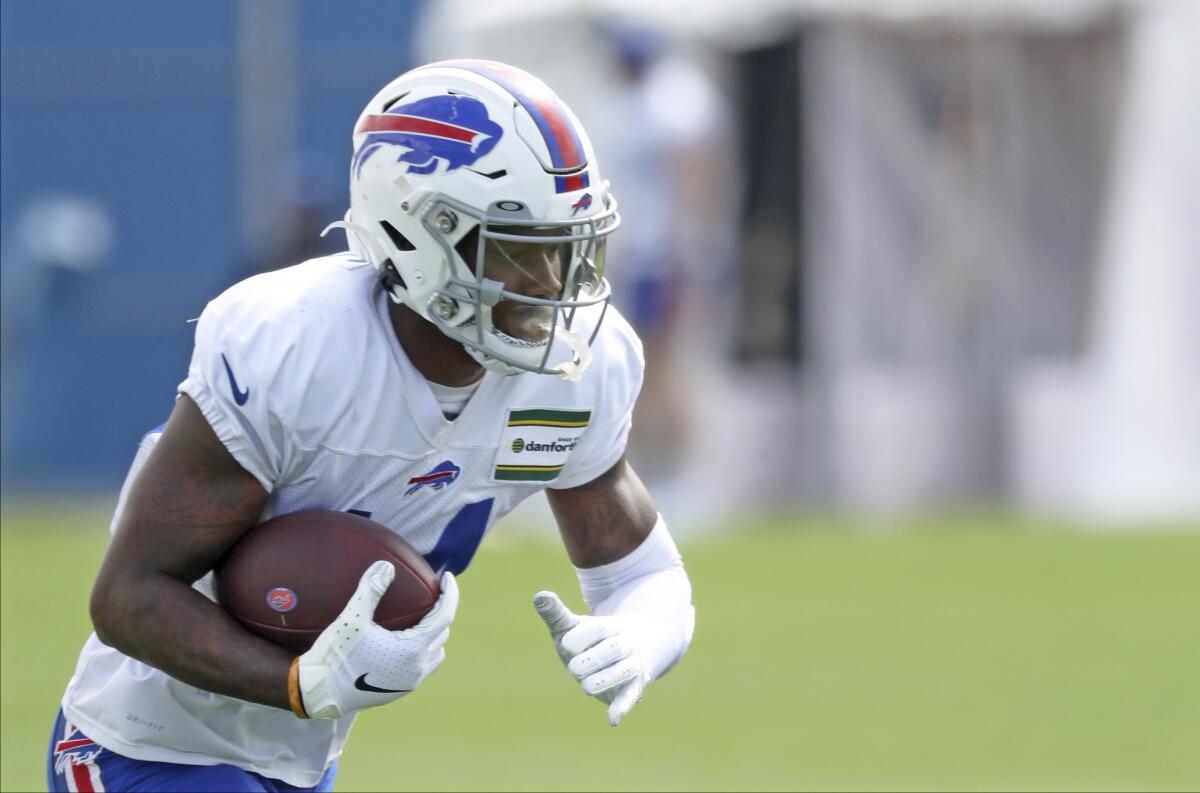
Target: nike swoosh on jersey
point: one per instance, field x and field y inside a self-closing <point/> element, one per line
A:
<point x="362" y="685"/>
<point x="239" y="396"/>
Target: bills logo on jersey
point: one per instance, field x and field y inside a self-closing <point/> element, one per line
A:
<point x="282" y="599"/>
<point x="444" y="473"/>
<point x="453" y="129"/>
<point x="582" y="205"/>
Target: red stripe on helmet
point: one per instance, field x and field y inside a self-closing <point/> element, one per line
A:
<point x="560" y="127"/>
<point x="575" y="182"/>
<point x="543" y="105"/>
<point x="423" y="126"/>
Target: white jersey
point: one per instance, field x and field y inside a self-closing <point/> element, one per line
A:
<point x="301" y="376"/>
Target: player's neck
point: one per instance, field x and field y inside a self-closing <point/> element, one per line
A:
<point x="436" y="356"/>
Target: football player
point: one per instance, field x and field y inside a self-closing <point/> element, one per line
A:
<point x="467" y="334"/>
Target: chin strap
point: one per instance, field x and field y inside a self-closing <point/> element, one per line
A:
<point x="582" y="355"/>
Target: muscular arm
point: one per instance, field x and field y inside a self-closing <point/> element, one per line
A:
<point x="189" y="504"/>
<point x="605" y="519"/>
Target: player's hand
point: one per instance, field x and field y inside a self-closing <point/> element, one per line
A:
<point x="603" y="653"/>
<point x="355" y="663"/>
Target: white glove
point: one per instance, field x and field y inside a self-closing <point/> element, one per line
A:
<point x="603" y="653"/>
<point x="355" y="663"/>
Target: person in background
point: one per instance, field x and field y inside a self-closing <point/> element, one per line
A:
<point x="673" y="164"/>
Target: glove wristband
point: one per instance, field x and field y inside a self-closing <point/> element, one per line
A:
<point x="294" y="698"/>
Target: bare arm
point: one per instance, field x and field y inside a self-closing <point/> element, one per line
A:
<point x="605" y="519"/>
<point x="190" y="503"/>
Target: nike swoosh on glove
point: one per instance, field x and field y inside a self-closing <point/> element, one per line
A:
<point x="355" y="663"/>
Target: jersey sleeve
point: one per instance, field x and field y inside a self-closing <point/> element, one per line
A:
<point x="234" y="394"/>
<point x="603" y="442"/>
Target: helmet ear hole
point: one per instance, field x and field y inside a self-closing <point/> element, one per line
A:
<point x="399" y="240"/>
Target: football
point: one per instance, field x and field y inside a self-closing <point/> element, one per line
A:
<point x="290" y="576"/>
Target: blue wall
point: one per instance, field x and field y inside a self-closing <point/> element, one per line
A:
<point x="134" y="104"/>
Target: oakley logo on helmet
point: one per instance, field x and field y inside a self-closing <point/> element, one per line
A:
<point x="453" y="129"/>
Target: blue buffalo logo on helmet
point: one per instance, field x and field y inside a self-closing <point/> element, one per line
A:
<point x="282" y="599"/>
<point x="442" y="474"/>
<point x="451" y="129"/>
<point x="582" y="205"/>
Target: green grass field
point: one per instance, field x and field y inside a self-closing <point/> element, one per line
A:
<point x="974" y="657"/>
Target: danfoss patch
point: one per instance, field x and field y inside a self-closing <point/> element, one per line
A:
<point x="536" y="443"/>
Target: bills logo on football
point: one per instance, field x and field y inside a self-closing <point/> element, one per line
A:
<point x="282" y="599"/>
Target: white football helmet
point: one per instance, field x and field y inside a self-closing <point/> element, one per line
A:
<point x="475" y="193"/>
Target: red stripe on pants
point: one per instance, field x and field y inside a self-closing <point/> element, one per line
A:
<point x="83" y="780"/>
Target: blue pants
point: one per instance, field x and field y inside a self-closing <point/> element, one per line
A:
<point x="77" y="763"/>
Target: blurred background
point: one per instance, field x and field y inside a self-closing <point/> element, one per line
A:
<point x="919" y="284"/>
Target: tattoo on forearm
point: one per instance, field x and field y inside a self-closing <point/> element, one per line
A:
<point x="604" y="520"/>
<point x="191" y="502"/>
